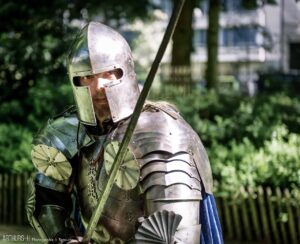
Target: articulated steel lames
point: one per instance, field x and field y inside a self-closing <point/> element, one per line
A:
<point x="158" y="136"/>
<point x="61" y="134"/>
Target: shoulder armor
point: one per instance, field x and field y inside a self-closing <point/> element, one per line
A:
<point x="164" y="130"/>
<point x="65" y="134"/>
<point x="56" y="144"/>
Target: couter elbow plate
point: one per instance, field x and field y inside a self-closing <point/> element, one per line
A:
<point x="51" y="162"/>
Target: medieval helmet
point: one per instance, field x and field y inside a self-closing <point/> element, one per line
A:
<point x="98" y="48"/>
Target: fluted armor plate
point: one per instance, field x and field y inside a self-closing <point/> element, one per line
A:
<point x="129" y="172"/>
<point x="51" y="162"/>
<point x="159" y="227"/>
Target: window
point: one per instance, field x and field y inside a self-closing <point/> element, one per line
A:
<point x="199" y="38"/>
<point x="228" y="37"/>
<point x="238" y="36"/>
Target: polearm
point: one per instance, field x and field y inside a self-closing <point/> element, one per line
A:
<point x="133" y="121"/>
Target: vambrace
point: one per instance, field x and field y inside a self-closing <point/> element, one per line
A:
<point x="48" y="209"/>
<point x="172" y="187"/>
<point x="56" y="223"/>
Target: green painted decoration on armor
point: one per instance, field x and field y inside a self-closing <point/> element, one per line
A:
<point x="129" y="172"/>
<point x="51" y="162"/>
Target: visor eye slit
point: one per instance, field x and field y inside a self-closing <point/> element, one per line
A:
<point x="107" y="77"/>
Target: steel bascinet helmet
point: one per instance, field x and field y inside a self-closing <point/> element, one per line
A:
<point x="96" y="49"/>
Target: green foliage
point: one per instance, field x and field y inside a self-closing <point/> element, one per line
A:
<point x="46" y="100"/>
<point x="250" y="140"/>
<point x="276" y="163"/>
<point x="15" y="146"/>
<point x="35" y="37"/>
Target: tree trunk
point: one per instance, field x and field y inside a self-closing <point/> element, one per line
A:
<point x="212" y="44"/>
<point x="183" y="45"/>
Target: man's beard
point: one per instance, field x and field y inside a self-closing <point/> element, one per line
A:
<point x="102" y="112"/>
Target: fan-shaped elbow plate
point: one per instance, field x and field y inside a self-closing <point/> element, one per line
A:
<point x="159" y="227"/>
<point x="129" y="172"/>
<point x="30" y="205"/>
<point x="51" y="162"/>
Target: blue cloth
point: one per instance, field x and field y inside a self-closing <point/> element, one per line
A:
<point x="211" y="232"/>
<point x="78" y="220"/>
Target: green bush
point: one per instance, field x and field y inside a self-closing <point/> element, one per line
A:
<point x="47" y="99"/>
<point x="22" y="119"/>
<point x="15" y="147"/>
<point x="276" y="163"/>
<point x="250" y="140"/>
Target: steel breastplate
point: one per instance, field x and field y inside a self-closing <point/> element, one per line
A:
<point x="123" y="208"/>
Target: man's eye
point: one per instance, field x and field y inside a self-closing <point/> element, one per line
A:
<point x="107" y="74"/>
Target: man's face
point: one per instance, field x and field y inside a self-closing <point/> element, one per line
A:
<point x="96" y="85"/>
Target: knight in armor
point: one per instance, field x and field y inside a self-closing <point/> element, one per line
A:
<point x="163" y="189"/>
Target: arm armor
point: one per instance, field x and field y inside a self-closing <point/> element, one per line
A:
<point x="54" y="148"/>
<point x="48" y="209"/>
<point x="174" y="168"/>
<point x="65" y="134"/>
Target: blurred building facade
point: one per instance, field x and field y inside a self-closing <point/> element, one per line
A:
<point x="265" y="39"/>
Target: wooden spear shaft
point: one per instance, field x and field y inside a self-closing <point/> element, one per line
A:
<point x="133" y="121"/>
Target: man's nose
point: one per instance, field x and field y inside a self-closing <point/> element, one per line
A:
<point x="100" y="84"/>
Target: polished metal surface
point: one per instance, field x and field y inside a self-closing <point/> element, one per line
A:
<point x="157" y="131"/>
<point x="83" y="99"/>
<point x="96" y="49"/>
<point x="188" y="235"/>
<point x="167" y="157"/>
<point x="123" y="207"/>
<point x="61" y="133"/>
<point x="188" y="209"/>
<point x="172" y="163"/>
<point x="159" y="227"/>
<point x="163" y="179"/>
<point x="176" y="191"/>
<point x="169" y="166"/>
<point x="50" y="183"/>
<point x="174" y="167"/>
<point x="54" y="220"/>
